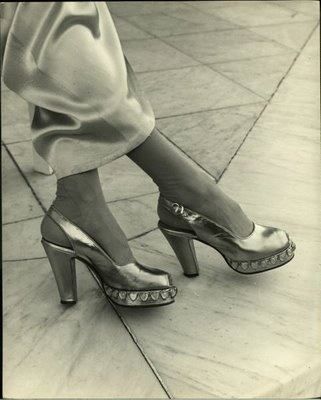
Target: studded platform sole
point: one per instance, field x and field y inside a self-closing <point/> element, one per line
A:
<point x="132" y="285"/>
<point x="264" y="249"/>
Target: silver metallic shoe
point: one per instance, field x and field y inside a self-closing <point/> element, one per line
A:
<point x="264" y="249"/>
<point x="132" y="285"/>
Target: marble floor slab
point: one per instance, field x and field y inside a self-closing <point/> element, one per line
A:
<point x="213" y="47"/>
<point x="208" y="6"/>
<point x="187" y="20"/>
<point x="256" y="342"/>
<point x="137" y="215"/>
<point x="211" y="138"/>
<point x="192" y="89"/>
<point x="255" y="13"/>
<point x="22" y="240"/>
<point x="309" y="7"/>
<point x="44" y="186"/>
<point x="261" y="75"/>
<point x="290" y="35"/>
<point x="127" y="31"/>
<point x="56" y="351"/>
<point x="153" y="54"/>
<point x="15" y="121"/>
<point x="128" y="8"/>
<point x="18" y="201"/>
<point x="123" y="179"/>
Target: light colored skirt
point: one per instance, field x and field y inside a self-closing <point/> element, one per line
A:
<point x="65" y="59"/>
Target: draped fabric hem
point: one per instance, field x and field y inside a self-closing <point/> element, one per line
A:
<point x="100" y="162"/>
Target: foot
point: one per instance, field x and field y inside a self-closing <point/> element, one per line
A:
<point x="80" y="199"/>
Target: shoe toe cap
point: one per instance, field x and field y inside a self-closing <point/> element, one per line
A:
<point x="275" y="238"/>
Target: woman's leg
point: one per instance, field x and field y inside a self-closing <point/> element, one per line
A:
<point x="80" y="199"/>
<point x="181" y="180"/>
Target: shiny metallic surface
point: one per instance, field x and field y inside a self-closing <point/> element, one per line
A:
<point x="265" y="248"/>
<point x="131" y="284"/>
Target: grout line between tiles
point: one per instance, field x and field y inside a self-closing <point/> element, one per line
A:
<point x="251" y="58"/>
<point x="273" y="40"/>
<point x="24" y="177"/>
<point x="211" y="109"/>
<point x="25" y="259"/>
<point x="277" y="3"/>
<point x="132" y="197"/>
<point x="237" y="27"/>
<point x="141" y="350"/>
<point x="187" y="155"/>
<point x="142" y="234"/>
<point x="16" y="142"/>
<point x="21" y="220"/>
<point x="233" y="80"/>
<point x="269" y="101"/>
<point x="208" y="65"/>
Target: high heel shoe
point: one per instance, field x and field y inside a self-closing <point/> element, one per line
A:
<point x="132" y="285"/>
<point x="264" y="249"/>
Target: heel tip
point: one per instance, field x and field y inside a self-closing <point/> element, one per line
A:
<point x="191" y="275"/>
<point x="68" y="302"/>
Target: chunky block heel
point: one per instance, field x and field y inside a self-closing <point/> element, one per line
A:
<point x="183" y="247"/>
<point x="62" y="262"/>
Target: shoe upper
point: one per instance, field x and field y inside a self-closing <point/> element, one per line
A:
<point x="132" y="276"/>
<point x="264" y="241"/>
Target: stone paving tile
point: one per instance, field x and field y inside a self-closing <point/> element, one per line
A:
<point x="15" y="121"/>
<point x="56" y="351"/>
<point x="18" y="202"/>
<point x="128" y="8"/>
<point x="213" y="47"/>
<point x="188" y="20"/>
<point x="310" y="7"/>
<point x="44" y="186"/>
<point x="211" y="6"/>
<point x="255" y="13"/>
<point x="21" y="240"/>
<point x="211" y="138"/>
<point x="136" y="216"/>
<point x="153" y="54"/>
<point x="123" y="179"/>
<point x="192" y="89"/>
<point x="290" y="35"/>
<point x="128" y="31"/>
<point x="261" y="75"/>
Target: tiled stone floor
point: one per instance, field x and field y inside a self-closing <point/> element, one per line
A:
<point x="236" y="86"/>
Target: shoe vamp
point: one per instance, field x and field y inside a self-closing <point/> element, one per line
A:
<point x="263" y="242"/>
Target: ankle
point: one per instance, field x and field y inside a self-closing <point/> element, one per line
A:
<point x="191" y="194"/>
